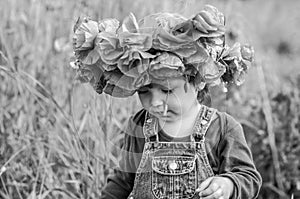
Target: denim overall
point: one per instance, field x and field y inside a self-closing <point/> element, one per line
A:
<point x="173" y="170"/>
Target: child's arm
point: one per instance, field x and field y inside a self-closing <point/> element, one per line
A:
<point x="238" y="163"/>
<point x="120" y="184"/>
<point x="233" y="160"/>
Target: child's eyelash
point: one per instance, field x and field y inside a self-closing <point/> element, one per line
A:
<point x="167" y="91"/>
<point x="163" y="90"/>
<point x="142" y="91"/>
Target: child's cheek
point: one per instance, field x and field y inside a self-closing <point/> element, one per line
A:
<point x="173" y="106"/>
<point x="144" y="101"/>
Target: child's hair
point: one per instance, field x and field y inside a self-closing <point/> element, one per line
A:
<point x="119" y="59"/>
<point x="203" y="95"/>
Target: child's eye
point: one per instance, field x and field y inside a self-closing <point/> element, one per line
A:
<point x="144" y="91"/>
<point x="167" y="90"/>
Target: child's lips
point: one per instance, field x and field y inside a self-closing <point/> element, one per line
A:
<point x="158" y="113"/>
<point x="161" y="111"/>
<point x="162" y="114"/>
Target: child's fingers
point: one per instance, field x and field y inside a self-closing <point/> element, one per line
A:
<point x="204" y="184"/>
<point x="215" y="195"/>
<point x="212" y="191"/>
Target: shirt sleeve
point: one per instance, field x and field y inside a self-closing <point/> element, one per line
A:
<point x="236" y="161"/>
<point x="120" y="184"/>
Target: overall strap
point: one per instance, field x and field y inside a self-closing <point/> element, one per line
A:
<point x="203" y="121"/>
<point x="150" y="128"/>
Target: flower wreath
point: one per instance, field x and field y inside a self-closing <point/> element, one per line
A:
<point x="118" y="59"/>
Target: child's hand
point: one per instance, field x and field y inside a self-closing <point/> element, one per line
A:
<point x="216" y="188"/>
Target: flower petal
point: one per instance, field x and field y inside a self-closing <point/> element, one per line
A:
<point x="239" y="77"/>
<point x="116" y="91"/>
<point x="218" y="16"/>
<point x="212" y="70"/>
<point x="166" y="65"/>
<point x="200" y="56"/>
<point x="109" y="48"/>
<point x="133" y="63"/>
<point x="208" y="23"/>
<point x="92" y="57"/>
<point x="130" y="24"/>
<point x="233" y="53"/>
<point x="109" y="25"/>
<point x="247" y="52"/>
<point x="120" y="80"/>
<point x="142" y="80"/>
<point x="135" y="41"/>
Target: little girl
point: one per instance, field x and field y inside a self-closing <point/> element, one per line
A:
<point x="175" y="147"/>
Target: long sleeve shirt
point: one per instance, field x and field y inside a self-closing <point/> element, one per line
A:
<point x="226" y="147"/>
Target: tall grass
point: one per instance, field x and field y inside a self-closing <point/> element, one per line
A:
<point x="59" y="139"/>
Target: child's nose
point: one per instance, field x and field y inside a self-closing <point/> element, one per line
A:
<point x="156" y="99"/>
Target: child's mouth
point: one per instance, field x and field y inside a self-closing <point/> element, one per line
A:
<point x="161" y="111"/>
<point x="162" y="114"/>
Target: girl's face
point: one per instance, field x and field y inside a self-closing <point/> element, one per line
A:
<point x="168" y="100"/>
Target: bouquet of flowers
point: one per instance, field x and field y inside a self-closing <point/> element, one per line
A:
<point x="118" y="58"/>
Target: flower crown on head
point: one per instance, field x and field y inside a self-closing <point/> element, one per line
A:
<point x="119" y="59"/>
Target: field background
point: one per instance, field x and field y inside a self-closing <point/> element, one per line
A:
<point x="59" y="139"/>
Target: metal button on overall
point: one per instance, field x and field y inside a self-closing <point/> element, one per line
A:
<point x="173" y="165"/>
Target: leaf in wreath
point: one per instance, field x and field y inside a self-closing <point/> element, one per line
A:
<point x="247" y="52"/>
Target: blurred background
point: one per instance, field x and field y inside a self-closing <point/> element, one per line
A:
<point x="59" y="139"/>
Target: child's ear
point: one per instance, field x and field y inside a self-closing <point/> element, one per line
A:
<point x="186" y="86"/>
<point x="186" y="83"/>
<point x="204" y="96"/>
<point x="200" y="87"/>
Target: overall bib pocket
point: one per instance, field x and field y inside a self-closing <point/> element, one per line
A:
<point x="174" y="177"/>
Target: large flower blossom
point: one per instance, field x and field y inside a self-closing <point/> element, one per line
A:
<point x="109" y="45"/>
<point x="212" y="71"/>
<point x="170" y="33"/>
<point x="135" y="59"/>
<point x="88" y="35"/>
<point x="208" y="23"/>
<point x="237" y="60"/>
<point x="85" y="41"/>
<point x="110" y="50"/>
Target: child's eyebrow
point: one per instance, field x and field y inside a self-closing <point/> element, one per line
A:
<point x="148" y="86"/>
<point x="167" y="87"/>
